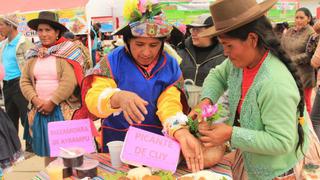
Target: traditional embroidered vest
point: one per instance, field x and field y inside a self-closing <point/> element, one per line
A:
<point x="128" y="76"/>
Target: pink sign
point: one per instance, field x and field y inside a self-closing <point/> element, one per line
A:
<point x="72" y="133"/>
<point x="145" y="148"/>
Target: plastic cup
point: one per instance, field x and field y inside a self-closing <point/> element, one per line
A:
<point x="115" y="148"/>
<point x="55" y="171"/>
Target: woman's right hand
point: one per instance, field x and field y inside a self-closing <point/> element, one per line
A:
<point x="37" y="102"/>
<point x="191" y="149"/>
<point x="132" y="105"/>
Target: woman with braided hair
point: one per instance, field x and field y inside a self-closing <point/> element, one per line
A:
<point x="267" y="111"/>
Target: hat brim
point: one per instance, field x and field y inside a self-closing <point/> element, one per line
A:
<point x="197" y="25"/>
<point x="126" y="30"/>
<point x="122" y="31"/>
<point x="264" y="7"/>
<point x="34" y="23"/>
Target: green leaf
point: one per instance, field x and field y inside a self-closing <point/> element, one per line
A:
<point x="193" y="127"/>
<point x="165" y="175"/>
<point x="135" y="16"/>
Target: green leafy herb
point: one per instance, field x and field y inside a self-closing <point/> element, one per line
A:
<point x="193" y="127"/>
<point x="165" y="175"/>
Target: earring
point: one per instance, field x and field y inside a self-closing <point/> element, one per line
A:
<point x="57" y="38"/>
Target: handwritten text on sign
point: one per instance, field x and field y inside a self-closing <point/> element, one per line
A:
<point x="145" y="148"/>
<point x="75" y="133"/>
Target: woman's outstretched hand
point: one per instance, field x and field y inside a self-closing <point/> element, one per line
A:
<point x="132" y="105"/>
<point x="191" y="149"/>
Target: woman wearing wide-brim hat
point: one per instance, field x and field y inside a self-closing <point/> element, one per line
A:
<point x="268" y="125"/>
<point x="50" y="78"/>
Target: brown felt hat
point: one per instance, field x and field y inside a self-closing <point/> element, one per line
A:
<point x="231" y="14"/>
<point x="47" y="17"/>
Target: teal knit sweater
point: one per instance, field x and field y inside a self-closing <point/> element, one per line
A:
<point x="268" y="135"/>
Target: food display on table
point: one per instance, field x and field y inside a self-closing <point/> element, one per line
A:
<point x="141" y="173"/>
<point x="204" y="175"/>
<point x="72" y="157"/>
<point x="89" y="168"/>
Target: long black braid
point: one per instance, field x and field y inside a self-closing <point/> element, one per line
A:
<point x="268" y="40"/>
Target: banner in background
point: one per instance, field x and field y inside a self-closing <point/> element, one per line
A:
<point x="184" y="11"/>
<point x="283" y="11"/>
<point x="74" y="19"/>
<point x="107" y="23"/>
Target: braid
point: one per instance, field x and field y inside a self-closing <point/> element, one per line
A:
<point x="268" y="40"/>
<point x="274" y="45"/>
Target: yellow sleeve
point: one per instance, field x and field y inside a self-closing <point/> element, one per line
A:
<point x="98" y="96"/>
<point x="170" y="110"/>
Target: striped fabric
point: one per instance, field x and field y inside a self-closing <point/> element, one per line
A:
<point x="105" y="168"/>
<point x="65" y="50"/>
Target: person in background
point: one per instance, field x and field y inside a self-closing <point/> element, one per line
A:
<point x="12" y="56"/>
<point x="176" y="38"/>
<point x="199" y="55"/>
<point x="294" y="43"/>
<point x="142" y="84"/>
<point x="280" y="29"/>
<point x="268" y="125"/>
<point x="50" y="80"/>
<point x="94" y="34"/>
<point x="2" y="38"/>
<point x="10" y="149"/>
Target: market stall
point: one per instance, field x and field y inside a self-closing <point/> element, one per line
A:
<point x="105" y="168"/>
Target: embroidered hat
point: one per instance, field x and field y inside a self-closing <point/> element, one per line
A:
<point x="11" y="19"/>
<point x="146" y="19"/>
<point x="47" y="17"/>
<point x="231" y="14"/>
<point x="204" y="20"/>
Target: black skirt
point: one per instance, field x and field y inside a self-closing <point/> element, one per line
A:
<point x="10" y="146"/>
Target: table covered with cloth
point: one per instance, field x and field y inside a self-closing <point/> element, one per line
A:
<point x="105" y="168"/>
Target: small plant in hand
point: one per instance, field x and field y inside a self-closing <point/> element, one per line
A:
<point x="208" y="113"/>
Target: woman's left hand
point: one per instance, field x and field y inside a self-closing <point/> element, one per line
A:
<point x="47" y="107"/>
<point x="191" y="149"/>
<point x="216" y="135"/>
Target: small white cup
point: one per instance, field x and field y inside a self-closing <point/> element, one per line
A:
<point x="115" y="148"/>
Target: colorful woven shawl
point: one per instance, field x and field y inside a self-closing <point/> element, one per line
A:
<point x="66" y="50"/>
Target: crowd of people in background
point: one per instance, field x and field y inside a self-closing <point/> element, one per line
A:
<point x="265" y="73"/>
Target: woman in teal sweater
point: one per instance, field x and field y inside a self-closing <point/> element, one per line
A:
<point x="266" y="123"/>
